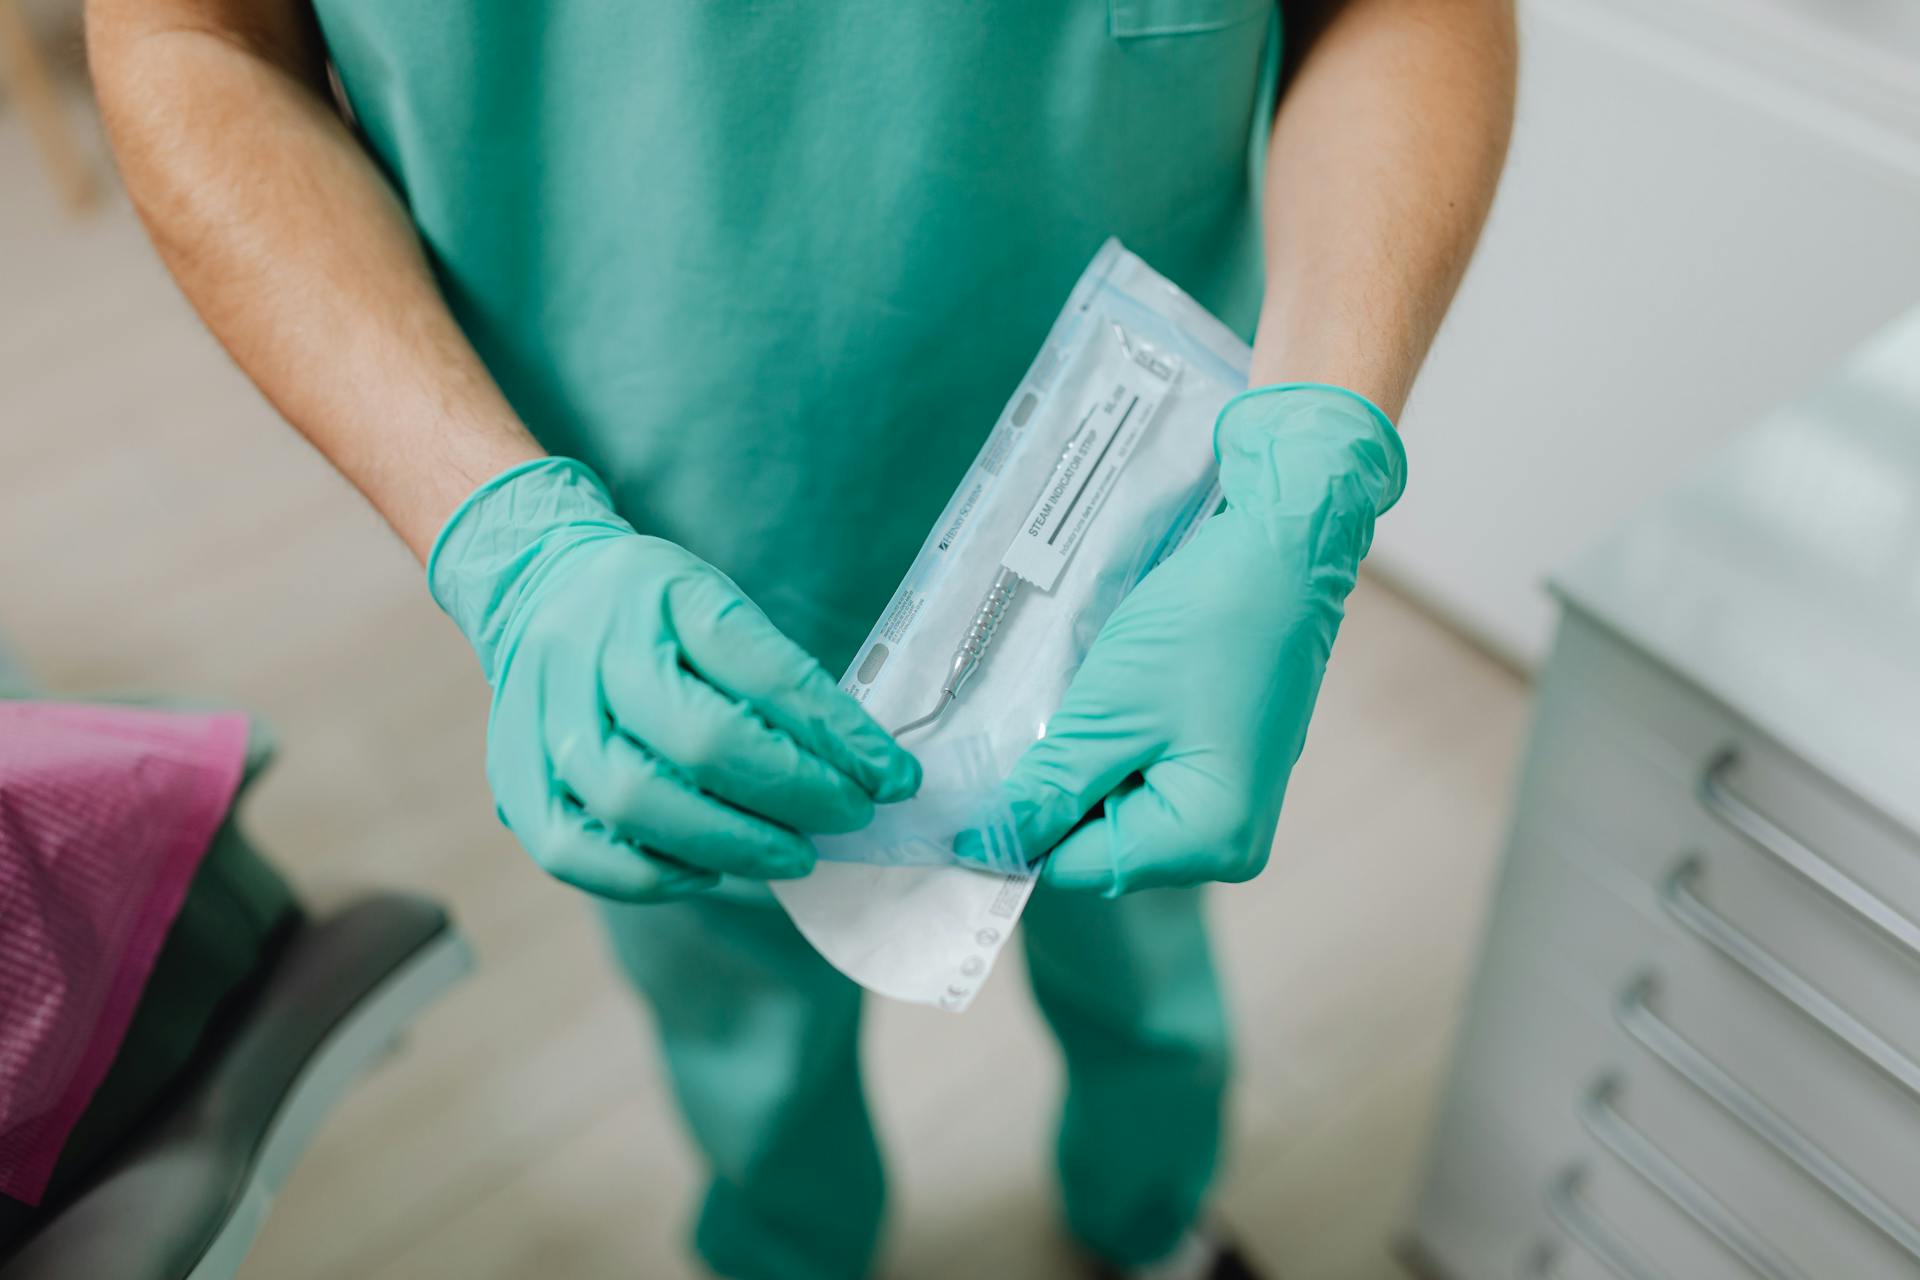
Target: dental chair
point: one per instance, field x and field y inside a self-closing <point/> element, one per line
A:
<point x="184" y="1195"/>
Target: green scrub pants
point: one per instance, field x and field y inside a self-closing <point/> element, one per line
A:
<point x="761" y="1039"/>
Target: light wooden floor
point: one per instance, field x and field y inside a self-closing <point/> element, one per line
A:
<point x="160" y="530"/>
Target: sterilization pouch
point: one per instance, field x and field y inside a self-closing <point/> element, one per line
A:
<point x="1099" y="467"/>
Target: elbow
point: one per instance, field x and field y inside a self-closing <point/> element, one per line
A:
<point x="111" y="25"/>
<point x="280" y="33"/>
<point x="121" y="35"/>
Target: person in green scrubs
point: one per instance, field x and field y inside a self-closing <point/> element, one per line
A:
<point x="661" y="331"/>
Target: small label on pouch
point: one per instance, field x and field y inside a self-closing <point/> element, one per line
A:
<point x="1081" y="480"/>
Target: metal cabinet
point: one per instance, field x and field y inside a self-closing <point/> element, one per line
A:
<point x="1692" y="1049"/>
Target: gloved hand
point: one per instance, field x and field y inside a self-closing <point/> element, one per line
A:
<point x="650" y="729"/>
<point x="1192" y="705"/>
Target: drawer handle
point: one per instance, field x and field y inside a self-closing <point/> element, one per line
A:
<point x="1667" y="1044"/>
<point x="1587" y="1229"/>
<point x="1720" y="800"/>
<point x="1682" y="1189"/>
<point x="1719" y="933"/>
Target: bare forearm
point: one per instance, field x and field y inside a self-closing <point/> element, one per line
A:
<point x="1384" y="158"/>
<point x="295" y="251"/>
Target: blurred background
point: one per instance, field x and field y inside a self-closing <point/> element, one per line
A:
<point x="1709" y="205"/>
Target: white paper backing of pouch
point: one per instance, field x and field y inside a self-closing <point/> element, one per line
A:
<point x="930" y="935"/>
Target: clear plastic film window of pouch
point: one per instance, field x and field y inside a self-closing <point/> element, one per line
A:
<point x="1100" y="466"/>
<point x="1056" y="475"/>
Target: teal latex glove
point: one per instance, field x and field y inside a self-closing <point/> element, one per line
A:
<point x="651" y="729"/>
<point x="1192" y="705"/>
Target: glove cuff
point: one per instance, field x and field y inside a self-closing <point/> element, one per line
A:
<point x="504" y="536"/>
<point x="1291" y="447"/>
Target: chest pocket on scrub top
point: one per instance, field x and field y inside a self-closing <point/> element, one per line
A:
<point x="1127" y="19"/>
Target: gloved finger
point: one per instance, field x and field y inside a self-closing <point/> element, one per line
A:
<point x="725" y="750"/>
<point x="735" y="648"/>
<point x="633" y="795"/>
<point x="1083" y="861"/>
<point x="1180" y="826"/>
<point x="1065" y="774"/>
<point x="578" y="850"/>
<point x="989" y="847"/>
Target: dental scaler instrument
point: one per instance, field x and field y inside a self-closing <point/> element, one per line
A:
<point x="973" y="646"/>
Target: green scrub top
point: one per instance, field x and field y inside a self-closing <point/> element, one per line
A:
<point x="772" y="267"/>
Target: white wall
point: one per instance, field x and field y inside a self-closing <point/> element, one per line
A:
<point x="1707" y="204"/>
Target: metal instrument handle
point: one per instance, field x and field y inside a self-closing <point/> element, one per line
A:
<point x="1720" y="933"/>
<point x="1666" y="1043"/>
<point x="1682" y="1189"/>
<point x="980" y="632"/>
<point x="1718" y="799"/>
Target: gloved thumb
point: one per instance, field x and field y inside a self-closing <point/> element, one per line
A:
<point x="1066" y="774"/>
<point x="1179" y="825"/>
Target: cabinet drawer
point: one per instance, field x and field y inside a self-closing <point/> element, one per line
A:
<point x="1563" y="1006"/>
<point x="1703" y="961"/>
<point x="1780" y="1223"/>
<point x="1617" y="1220"/>
<point x="1822" y="1081"/>
<point x="1839" y="910"/>
<point x="1718" y="891"/>
<point x="1617" y="730"/>
<point x="1755" y="1056"/>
